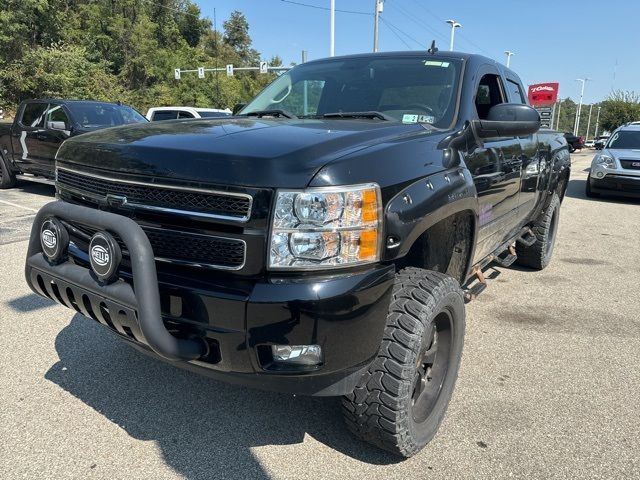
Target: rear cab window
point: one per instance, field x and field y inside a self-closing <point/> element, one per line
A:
<point x="160" y="115"/>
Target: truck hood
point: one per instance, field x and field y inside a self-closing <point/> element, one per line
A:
<point x="234" y="151"/>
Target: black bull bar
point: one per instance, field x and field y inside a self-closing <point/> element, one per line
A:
<point x="142" y="299"/>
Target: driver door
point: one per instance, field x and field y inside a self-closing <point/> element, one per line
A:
<point x="496" y="170"/>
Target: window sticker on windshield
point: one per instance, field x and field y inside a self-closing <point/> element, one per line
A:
<point x="412" y="118"/>
<point x="409" y="118"/>
<point x="433" y="63"/>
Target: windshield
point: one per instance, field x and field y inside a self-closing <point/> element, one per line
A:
<point x="406" y="89"/>
<point x="625" y="139"/>
<point x="100" y="115"/>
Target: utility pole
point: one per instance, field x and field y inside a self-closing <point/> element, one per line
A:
<point x="332" y="29"/>
<point x="305" y="92"/>
<point x="595" y="134"/>
<point x="508" y="53"/>
<point x="579" y="111"/>
<point x="559" y="109"/>
<point x="376" y="16"/>
<point x="454" y="25"/>
<point x="586" y="137"/>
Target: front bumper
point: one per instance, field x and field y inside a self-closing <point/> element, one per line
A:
<point x="223" y="327"/>
<point x="616" y="184"/>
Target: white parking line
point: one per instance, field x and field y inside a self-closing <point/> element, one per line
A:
<point x="19" y="206"/>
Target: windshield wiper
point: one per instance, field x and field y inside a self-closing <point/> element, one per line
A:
<point x="368" y="114"/>
<point x="270" y="113"/>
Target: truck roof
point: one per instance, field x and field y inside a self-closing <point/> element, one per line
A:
<point x="472" y="58"/>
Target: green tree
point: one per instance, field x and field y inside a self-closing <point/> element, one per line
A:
<point x="122" y="50"/>
<point x="236" y="35"/>
<point x="619" y="108"/>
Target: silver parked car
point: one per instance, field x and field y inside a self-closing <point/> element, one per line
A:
<point x="615" y="170"/>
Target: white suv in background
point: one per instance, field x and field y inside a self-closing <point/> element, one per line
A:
<point x="155" y="114"/>
<point x="615" y="170"/>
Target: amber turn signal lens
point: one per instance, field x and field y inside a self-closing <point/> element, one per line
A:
<point x="368" y="244"/>
<point x="369" y="206"/>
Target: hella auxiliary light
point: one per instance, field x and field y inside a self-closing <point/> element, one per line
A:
<point x="309" y="355"/>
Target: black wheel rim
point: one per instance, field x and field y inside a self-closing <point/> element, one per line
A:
<point x="553" y="228"/>
<point x="432" y="366"/>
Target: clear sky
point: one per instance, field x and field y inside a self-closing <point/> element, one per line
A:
<point x="557" y="40"/>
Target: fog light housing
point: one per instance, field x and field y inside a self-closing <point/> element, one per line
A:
<point x="54" y="240"/>
<point x="309" y="355"/>
<point x="600" y="174"/>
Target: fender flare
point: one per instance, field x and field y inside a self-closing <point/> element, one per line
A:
<point x="422" y="204"/>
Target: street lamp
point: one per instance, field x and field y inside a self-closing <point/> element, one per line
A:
<point x="577" y="124"/>
<point x="508" y="53"/>
<point x="454" y="25"/>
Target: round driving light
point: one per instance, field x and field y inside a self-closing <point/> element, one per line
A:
<point x="105" y="256"/>
<point x="600" y="174"/>
<point x="54" y="240"/>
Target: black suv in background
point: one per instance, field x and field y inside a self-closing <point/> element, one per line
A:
<point x="29" y="144"/>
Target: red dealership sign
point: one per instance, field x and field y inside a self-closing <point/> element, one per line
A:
<point x="543" y="94"/>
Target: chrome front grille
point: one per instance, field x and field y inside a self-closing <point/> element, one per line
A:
<point x="166" y="198"/>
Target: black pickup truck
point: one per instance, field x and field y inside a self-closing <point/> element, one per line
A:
<point x="323" y="241"/>
<point x="28" y="146"/>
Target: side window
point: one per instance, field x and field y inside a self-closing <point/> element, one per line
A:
<point x="515" y="92"/>
<point x="184" y="115"/>
<point x="489" y="94"/>
<point x="33" y="115"/>
<point x="56" y="114"/>
<point x="164" y="115"/>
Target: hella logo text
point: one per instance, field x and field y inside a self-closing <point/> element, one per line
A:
<point x="100" y="255"/>
<point x="49" y="238"/>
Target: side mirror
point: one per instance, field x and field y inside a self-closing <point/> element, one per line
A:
<point x="57" y="126"/>
<point x="508" y="120"/>
<point x="237" y="107"/>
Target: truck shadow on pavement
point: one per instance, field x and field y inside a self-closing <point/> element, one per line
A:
<point x="576" y="189"/>
<point x="36" y="189"/>
<point x="204" y="428"/>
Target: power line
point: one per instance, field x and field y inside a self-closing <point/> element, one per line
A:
<point x="395" y="33"/>
<point x="318" y="7"/>
<point x="462" y="35"/>
<point x="391" y="25"/>
<point x="408" y="15"/>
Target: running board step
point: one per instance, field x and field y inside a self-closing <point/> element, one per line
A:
<point x="472" y="293"/>
<point x="527" y="239"/>
<point x="506" y="260"/>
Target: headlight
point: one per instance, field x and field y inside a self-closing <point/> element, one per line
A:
<point x="606" y="161"/>
<point x="326" y="227"/>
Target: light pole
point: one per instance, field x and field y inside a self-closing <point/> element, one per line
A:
<point x="577" y="124"/>
<point x="559" y="109"/>
<point x="376" y="15"/>
<point x="595" y="134"/>
<point x="509" y="53"/>
<point x="586" y="137"/>
<point x="454" y="25"/>
<point x="332" y="28"/>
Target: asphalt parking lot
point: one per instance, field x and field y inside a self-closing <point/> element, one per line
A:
<point x="549" y="385"/>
